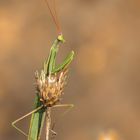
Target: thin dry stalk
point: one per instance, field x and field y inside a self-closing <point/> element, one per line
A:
<point x="48" y="122"/>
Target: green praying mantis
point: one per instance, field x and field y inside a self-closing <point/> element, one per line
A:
<point x="49" y="89"/>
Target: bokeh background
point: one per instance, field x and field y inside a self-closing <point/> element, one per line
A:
<point x="104" y="78"/>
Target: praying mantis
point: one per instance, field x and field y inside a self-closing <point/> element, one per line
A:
<point x="50" y="84"/>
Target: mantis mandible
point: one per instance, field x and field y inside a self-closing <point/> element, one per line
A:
<point x="49" y="88"/>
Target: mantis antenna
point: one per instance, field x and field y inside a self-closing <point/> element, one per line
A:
<point x="53" y="12"/>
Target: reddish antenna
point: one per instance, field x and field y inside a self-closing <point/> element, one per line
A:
<point x="53" y="13"/>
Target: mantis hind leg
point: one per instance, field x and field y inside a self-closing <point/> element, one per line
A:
<point x="21" y="118"/>
<point x="68" y="106"/>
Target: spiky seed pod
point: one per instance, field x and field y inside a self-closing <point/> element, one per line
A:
<point x="51" y="88"/>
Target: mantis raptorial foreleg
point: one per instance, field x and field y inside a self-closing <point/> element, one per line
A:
<point x="23" y="117"/>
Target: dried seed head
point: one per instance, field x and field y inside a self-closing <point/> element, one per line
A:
<point x="50" y="88"/>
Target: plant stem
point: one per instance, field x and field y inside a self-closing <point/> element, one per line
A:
<point x="48" y="122"/>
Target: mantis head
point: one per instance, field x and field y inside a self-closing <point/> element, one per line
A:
<point x="61" y="38"/>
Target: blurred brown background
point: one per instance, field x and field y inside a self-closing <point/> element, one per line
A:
<point x="104" y="79"/>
